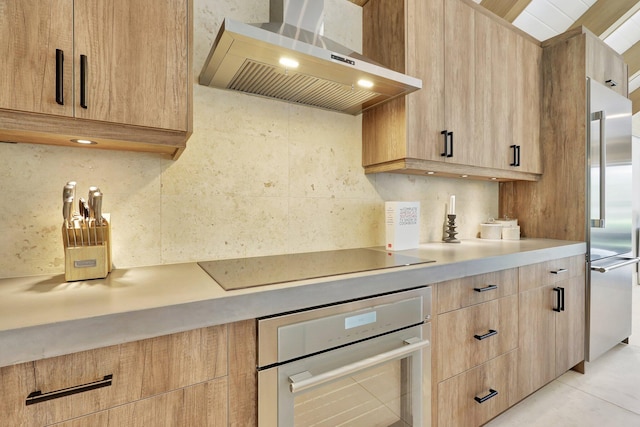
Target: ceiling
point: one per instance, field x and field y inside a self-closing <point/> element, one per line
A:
<point x="617" y="22"/>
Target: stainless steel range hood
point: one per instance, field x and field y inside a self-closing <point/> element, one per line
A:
<point x="250" y="57"/>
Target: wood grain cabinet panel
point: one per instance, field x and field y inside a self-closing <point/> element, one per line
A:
<point x="476" y="334"/>
<point x="457" y="404"/>
<point x="111" y="88"/>
<point x="31" y="31"/>
<point x="468" y="62"/>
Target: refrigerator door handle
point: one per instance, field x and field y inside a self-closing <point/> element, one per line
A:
<point x="626" y="262"/>
<point x="601" y="116"/>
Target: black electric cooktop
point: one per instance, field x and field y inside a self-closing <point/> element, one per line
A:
<point x="259" y="271"/>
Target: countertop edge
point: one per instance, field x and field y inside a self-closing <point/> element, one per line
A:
<point x="55" y="339"/>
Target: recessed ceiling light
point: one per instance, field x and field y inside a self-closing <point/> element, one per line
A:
<point x="289" y="63"/>
<point x="84" y="141"/>
<point x="368" y="84"/>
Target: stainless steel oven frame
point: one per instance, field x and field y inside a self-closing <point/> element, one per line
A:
<point x="301" y="351"/>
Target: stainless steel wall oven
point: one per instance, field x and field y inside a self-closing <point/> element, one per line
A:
<point x="359" y="363"/>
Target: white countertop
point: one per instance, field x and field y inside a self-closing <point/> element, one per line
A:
<point x="44" y="316"/>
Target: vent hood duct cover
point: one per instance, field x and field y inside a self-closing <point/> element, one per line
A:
<point x="246" y="58"/>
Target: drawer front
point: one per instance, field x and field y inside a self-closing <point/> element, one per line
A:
<point x="460" y="293"/>
<point x="111" y="376"/>
<point x="550" y="272"/>
<point x="494" y="383"/>
<point x="471" y="336"/>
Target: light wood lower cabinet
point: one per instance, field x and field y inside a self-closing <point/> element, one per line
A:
<point x="552" y="321"/>
<point x="203" y="377"/>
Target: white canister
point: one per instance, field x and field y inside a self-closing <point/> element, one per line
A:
<point x="511" y="233"/>
<point x="507" y="222"/>
<point x="490" y="230"/>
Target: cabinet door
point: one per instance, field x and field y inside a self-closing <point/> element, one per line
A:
<point x="495" y="63"/>
<point x="536" y="352"/>
<point x="136" y="62"/>
<point x="570" y="327"/>
<point x="31" y="31"/>
<point x="605" y="66"/>
<point x="528" y="98"/>
<point x="459" y="83"/>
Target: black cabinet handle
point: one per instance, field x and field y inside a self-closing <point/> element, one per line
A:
<point x="486" y="288"/>
<point x="446" y="145"/>
<point x="491" y="333"/>
<point x="38" y="396"/>
<point x="492" y="393"/>
<point x="60" y="76"/>
<point x="558" y="271"/>
<point x="83" y="81"/>
<point x="516" y="155"/>
<point x="559" y="299"/>
<point x="611" y="83"/>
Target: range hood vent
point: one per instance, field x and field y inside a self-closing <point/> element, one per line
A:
<point x="248" y="58"/>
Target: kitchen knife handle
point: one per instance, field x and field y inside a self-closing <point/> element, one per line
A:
<point x="450" y="154"/>
<point x="83" y="81"/>
<point x="38" y="396"/>
<point x="60" y="76"/>
<point x="446" y="145"/>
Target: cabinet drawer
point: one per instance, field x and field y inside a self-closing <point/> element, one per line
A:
<point x="469" y="337"/>
<point x="203" y="404"/>
<point x="89" y="381"/>
<point x="467" y="291"/>
<point x="550" y="272"/>
<point x="457" y="404"/>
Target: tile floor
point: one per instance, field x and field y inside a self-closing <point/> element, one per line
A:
<point x="608" y="395"/>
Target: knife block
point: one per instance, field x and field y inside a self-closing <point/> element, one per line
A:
<point x="87" y="250"/>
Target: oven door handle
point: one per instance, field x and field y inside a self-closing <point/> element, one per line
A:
<point x="305" y="380"/>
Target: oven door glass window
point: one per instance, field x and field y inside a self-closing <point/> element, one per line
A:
<point x="379" y="396"/>
<point x="346" y="387"/>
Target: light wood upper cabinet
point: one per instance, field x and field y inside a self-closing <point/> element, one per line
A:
<point x="606" y="66"/>
<point x="136" y="62"/>
<point x="31" y="31"/>
<point x="125" y="81"/>
<point x="468" y="63"/>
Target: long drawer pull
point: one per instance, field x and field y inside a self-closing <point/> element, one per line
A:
<point x="491" y="333"/>
<point x="305" y="380"/>
<point x="38" y="396"/>
<point x="486" y="288"/>
<point x="492" y="393"/>
<point x="559" y="271"/>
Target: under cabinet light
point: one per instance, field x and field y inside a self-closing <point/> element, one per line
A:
<point x="84" y="141"/>
<point x="430" y="173"/>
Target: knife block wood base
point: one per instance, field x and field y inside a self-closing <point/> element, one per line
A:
<point x="87" y="251"/>
<point x="85" y="262"/>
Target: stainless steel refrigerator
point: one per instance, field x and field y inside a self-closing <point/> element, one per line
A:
<point x="611" y="259"/>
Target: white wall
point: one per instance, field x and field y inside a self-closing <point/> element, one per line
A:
<point x="258" y="177"/>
